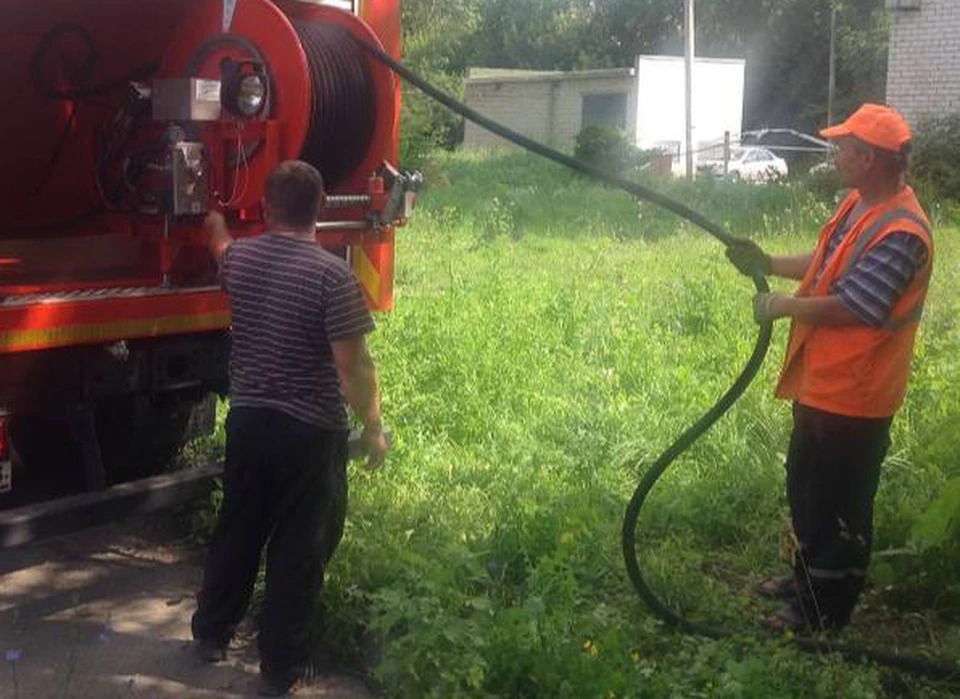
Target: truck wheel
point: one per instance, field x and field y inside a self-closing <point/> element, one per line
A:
<point x="49" y="460"/>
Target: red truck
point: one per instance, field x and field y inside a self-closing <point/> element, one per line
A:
<point x="124" y="122"/>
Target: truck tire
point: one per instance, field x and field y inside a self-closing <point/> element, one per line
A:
<point x="141" y="434"/>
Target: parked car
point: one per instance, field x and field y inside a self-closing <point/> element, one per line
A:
<point x="755" y="164"/>
<point x="747" y="163"/>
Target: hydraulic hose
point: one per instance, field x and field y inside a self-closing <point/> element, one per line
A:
<point x="47" y="88"/>
<point x="916" y="665"/>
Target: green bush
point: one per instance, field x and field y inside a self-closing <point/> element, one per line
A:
<point x="426" y="125"/>
<point x="936" y="158"/>
<point x="605" y="147"/>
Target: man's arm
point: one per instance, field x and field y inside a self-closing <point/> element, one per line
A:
<point x="791" y="267"/>
<point x="219" y="238"/>
<point x="358" y="378"/>
<point x="863" y="296"/>
<point x="750" y="259"/>
<point x="816" y="310"/>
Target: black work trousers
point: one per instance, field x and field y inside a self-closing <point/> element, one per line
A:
<point x="833" y="468"/>
<point x="284" y="487"/>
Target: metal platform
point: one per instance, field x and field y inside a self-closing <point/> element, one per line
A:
<point x="14" y="301"/>
<point x="64" y="515"/>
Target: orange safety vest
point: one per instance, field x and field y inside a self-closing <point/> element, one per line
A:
<point x="859" y="370"/>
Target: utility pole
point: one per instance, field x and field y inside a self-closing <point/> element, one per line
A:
<point x="832" y="84"/>
<point x="689" y="55"/>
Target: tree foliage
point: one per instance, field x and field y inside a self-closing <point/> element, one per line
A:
<point x="936" y="158"/>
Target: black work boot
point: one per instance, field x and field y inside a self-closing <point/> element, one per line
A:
<point x="209" y="651"/>
<point x="273" y="687"/>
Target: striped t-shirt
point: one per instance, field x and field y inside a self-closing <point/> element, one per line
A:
<point x="290" y="299"/>
<point x="872" y="287"/>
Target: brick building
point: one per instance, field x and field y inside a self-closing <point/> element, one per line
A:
<point x="549" y="107"/>
<point x="645" y="101"/>
<point x="923" y="73"/>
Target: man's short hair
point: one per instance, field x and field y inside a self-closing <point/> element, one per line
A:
<point x="294" y="194"/>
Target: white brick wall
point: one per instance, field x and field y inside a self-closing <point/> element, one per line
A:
<point x="923" y="74"/>
<point x="524" y="105"/>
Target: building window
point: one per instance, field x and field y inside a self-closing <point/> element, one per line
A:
<point x="606" y="109"/>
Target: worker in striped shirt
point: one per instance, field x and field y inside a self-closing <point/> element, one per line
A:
<point x="853" y="322"/>
<point x="299" y="322"/>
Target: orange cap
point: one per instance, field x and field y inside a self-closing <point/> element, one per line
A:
<point x="875" y="124"/>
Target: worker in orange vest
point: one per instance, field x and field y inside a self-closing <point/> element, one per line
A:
<point x="853" y="322"/>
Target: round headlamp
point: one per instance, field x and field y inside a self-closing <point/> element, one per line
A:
<point x="251" y="95"/>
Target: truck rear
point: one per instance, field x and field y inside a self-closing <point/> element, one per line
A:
<point x="126" y="122"/>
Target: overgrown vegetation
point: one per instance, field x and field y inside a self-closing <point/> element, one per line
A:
<point x="609" y="148"/>
<point x="936" y="158"/>
<point x="550" y="338"/>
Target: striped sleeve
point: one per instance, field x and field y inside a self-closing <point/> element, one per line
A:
<point x="875" y="284"/>
<point x="346" y="314"/>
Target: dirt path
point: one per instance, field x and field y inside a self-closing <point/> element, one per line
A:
<point x="106" y="613"/>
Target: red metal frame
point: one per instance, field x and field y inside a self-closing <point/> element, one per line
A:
<point x="263" y="23"/>
<point x="383" y="17"/>
<point x="183" y="26"/>
<point x="67" y="323"/>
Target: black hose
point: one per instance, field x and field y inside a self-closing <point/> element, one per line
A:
<point x="919" y="666"/>
<point x="81" y="72"/>
<point x="76" y="74"/>
<point x="343" y="105"/>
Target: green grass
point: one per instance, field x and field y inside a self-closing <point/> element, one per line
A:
<point x="550" y="338"/>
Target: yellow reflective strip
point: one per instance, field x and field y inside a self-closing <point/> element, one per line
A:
<point x="367" y="274"/>
<point x="141" y="327"/>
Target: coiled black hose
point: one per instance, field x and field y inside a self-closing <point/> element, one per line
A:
<point x="344" y="107"/>
<point x="916" y="665"/>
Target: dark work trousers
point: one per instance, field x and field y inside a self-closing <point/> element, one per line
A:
<point x="284" y="486"/>
<point x="833" y="468"/>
